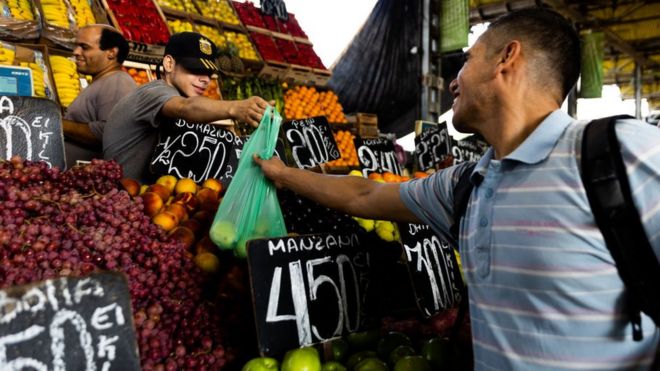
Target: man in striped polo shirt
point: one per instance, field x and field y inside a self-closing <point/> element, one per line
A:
<point x="544" y="289"/>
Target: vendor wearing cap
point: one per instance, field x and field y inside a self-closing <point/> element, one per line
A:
<point x="188" y="64"/>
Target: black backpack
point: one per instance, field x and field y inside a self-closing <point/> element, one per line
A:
<point x="606" y="184"/>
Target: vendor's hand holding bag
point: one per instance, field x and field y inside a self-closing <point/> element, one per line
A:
<point x="250" y="209"/>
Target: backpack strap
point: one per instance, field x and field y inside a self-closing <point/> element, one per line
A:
<point x="608" y="190"/>
<point x="462" y="192"/>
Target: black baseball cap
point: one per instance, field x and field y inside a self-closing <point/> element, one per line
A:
<point x="194" y="52"/>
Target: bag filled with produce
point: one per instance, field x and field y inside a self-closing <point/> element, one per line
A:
<point x="250" y="209"/>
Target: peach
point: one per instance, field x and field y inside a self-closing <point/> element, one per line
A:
<point x="207" y="199"/>
<point x="183" y="235"/>
<point x="214" y="184"/>
<point x="193" y="224"/>
<point x="178" y="210"/>
<point x="152" y="203"/>
<point x="205" y="245"/>
<point x="131" y="186"/>
<point x="185" y="185"/>
<point x="187" y="199"/>
<point x="207" y="262"/>
<point x="165" y="220"/>
<point x="169" y="181"/>
<point x="160" y="190"/>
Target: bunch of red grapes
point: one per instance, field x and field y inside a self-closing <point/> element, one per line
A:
<point x="70" y="223"/>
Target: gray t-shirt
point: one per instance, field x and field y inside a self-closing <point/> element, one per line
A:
<point x="132" y="131"/>
<point x="93" y="106"/>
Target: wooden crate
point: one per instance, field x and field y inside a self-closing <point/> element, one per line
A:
<point x="320" y="77"/>
<point x="274" y="70"/>
<point x="365" y="123"/>
<point x="298" y="74"/>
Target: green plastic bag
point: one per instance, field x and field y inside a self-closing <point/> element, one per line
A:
<point x="250" y="208"/>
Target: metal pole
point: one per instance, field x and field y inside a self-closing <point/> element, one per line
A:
<point x="426" y="58"/>
<point x="638" y="91"/>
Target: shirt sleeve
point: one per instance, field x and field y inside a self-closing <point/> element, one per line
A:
<point x="150" y="101"/>
<point x="105" y="102"/>
<point x="431" y="199"/>
<point x="640" y="149"/>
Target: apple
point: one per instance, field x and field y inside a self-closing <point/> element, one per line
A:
<point x="339" y="349"/>
<point x="261" y="364"/>
<point x="214" y="184"/>
<point x="152" y="203"/>
<point x="169" y="181"/>
<point x="240" y="250"/>
<point x="437" y="351"/>
<point x="223" y="234"/>
<point x="407" y="363"/>
<point x="165" y="220"/>
<point x="356" y="358"/>
<point x="178" y="210"/>
<point x="400" y="352"/>
<point x="185" y="185"/>
<point x="372" y="364"/>
<point x="131" y="186"/>
<point x="183" y="235"/>
<point x="390" y="341"/>
<point x="333" y="366"/>
<point x="363" y="340"/>
<point x="207" y="262"/>
<point x="207" y="199"/>
<point x="160" y="190"/>
<point x="302" y="359"/>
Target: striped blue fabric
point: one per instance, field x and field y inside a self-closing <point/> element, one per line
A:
<point x="544" y="290"/>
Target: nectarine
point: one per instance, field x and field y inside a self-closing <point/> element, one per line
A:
<point x="178" y="210"/>
<point x="207" y="262"/>
<point x="183" y="235"/>
<point x="214" y="184"/>
<point x="185" y="185"/>
<point x="131" y="186"/>
<point x="152" y="203"/>
<point x="169" y="181"/>
<point x="187" y="199"/>
<point x="165" y="220"/>
<point x="207" y="199"/>
<point x="160" y="190"/>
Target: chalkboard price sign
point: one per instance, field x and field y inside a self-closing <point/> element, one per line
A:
<point x="311" y="141"/>
<point x="376" y="155"/>
<point x="197" y="151"/>
<point x="432" y="147"/>
<point x="31" y="128"/>
<point x="468" y="149"/>
<point x="433" y="269"/>
<point x="307" y="289"/>
<point x="68" y="324"/>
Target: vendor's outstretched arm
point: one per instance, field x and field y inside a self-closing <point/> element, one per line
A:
<point x="354" y="195"/>
<point x="202" y="109"/>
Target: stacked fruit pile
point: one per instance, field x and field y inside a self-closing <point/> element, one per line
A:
<point x="180" y="25"/>
<point x="146" y="26"/>
<point x="56" y="13"/>
<point x="7" y="54"/>
<point x="180" y="5"/>
<point x="241" y="88"/>
<point x="72" y="223"/>
<point x="308" y="56"/>
<point x="344" y="139"/>
<point x="21" y="9"/>
<point x="219" y="10"/>
<point x="267" y="47"/>
<point x="367" y="351"/>
<point x="82" y="13"/>
<point x="139" y="75"/>
<point x="38" y="81"/>
<point x="304" y="102"/>
<point x="249" y="14"/>
<point x="67" y="80"/>
<point x="291" y="27"/>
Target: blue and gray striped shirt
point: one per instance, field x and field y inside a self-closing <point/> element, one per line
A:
<point x="544" y="290"/>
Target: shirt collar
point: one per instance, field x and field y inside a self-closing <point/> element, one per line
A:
<point x="532" y="150"/>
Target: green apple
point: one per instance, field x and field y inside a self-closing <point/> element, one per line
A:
<point x="356" y="358"/>
<point x="333" y="366"/>
<point x="389" y="342"/>
<point x="339" y="349"/>
<point x="261" y="364"/>
<point x="223" y="234"/>
<point x="437" y="351"/>
<point x="372" y="364"/>
<point x="407" y="363"/>
<point x="400" y="352"/>
<point x="302" y="359"/>
<point x="240" y="251"/>
<point x="363" y="340"/>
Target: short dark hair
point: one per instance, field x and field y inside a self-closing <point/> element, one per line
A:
<point x="549" y="33"/>
<point x="113" y="39"/>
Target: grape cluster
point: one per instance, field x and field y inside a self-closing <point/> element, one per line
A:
<point x="68" y="223"/>
<point x="303" y="216"/>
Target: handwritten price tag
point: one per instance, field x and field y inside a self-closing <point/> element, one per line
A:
<point x="311" y="142"/>
<point x="376" y="155"/>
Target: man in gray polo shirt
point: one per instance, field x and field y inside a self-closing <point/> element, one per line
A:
<point x="188" y="64"/>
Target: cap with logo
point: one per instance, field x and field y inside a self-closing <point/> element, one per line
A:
<point x="193" y="51"/>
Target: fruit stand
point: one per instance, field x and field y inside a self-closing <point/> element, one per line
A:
<point x="192" y="304"/>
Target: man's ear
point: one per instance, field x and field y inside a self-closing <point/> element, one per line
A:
<point x="168" y="63"/>
<point x="511" y="52"/>
<point x="112" y="53"/>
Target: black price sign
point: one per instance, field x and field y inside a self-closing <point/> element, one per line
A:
<point x="432" y="147"/>
<point x="68" y="324"/>
<point x="376" y="155"/>
<point x="311" y="141"/>
<point x="468" y="149"/>
<point x="307" y="289"/>
<point x="433" y="269"/>
<point x="31" y="128"/>
<point x="197" y="151"/>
